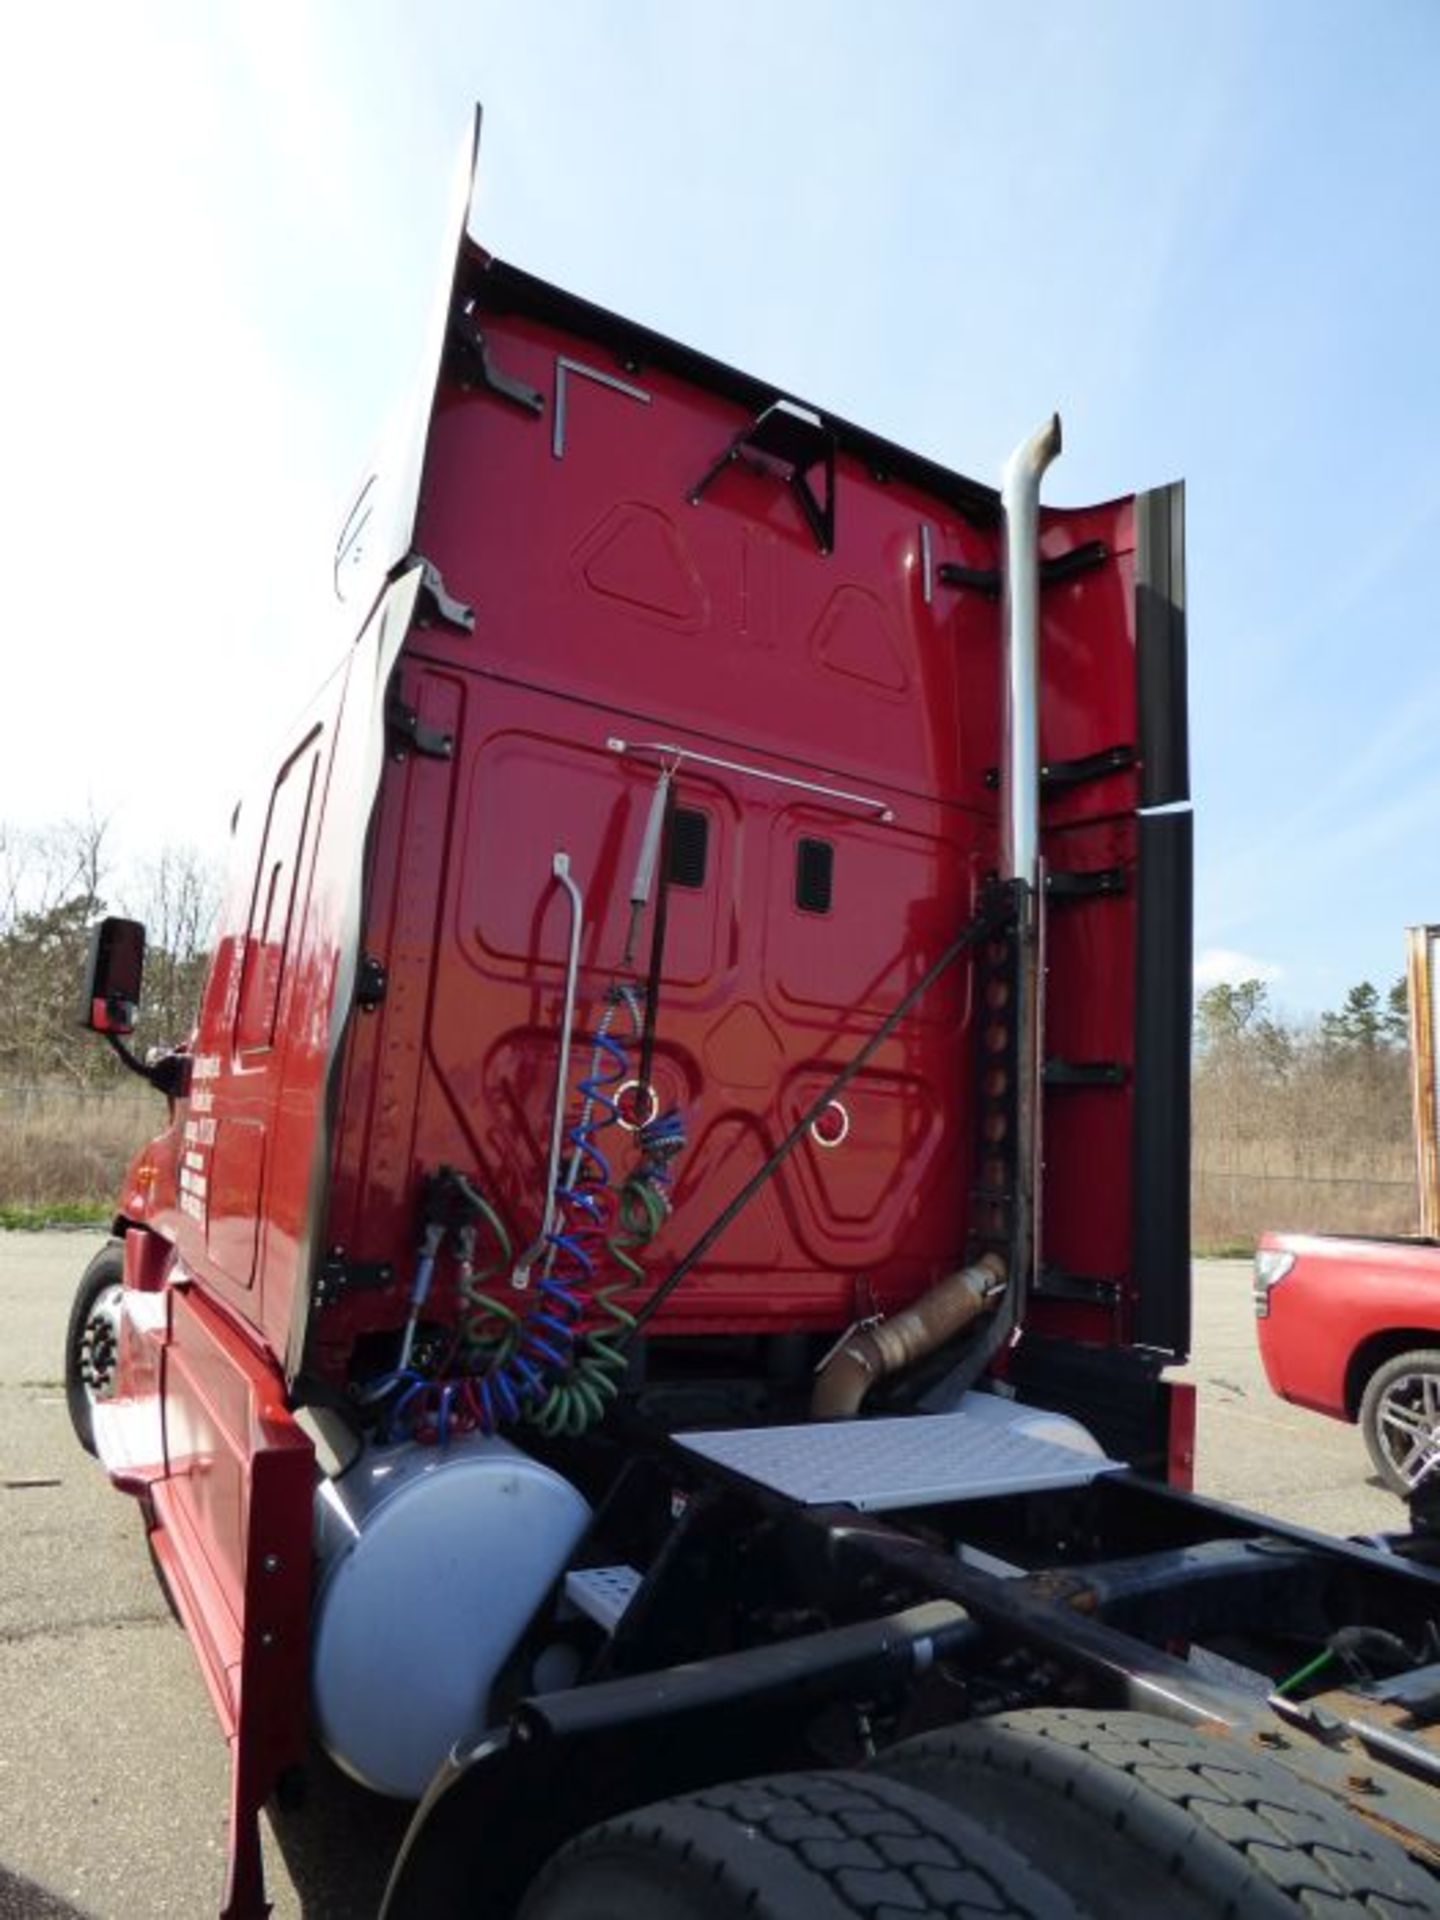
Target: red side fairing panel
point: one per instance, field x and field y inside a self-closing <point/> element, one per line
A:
<point x="613" y="603"/>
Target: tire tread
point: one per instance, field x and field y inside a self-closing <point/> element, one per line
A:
<point x="866" y="1847"/>
<point x="1212" y="1815"/>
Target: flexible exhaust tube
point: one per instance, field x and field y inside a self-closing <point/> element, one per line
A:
<point x="870" y="1351"/>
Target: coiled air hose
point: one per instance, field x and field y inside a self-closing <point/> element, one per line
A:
<point x="536" y="1364"/>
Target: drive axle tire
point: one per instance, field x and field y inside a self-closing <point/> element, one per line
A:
<point x="1134" y="1814"/>
<point x="798" y="1846"/>
<point x="90" y="1338"/>
<point x="1400" y="1419"/>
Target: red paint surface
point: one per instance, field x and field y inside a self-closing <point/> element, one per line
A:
<point x="607" y="604"/>
<point x="1180" y="1454"/>
<point x="232" y="1533"/>
<point x="610" y="606"/>
<point x="1340" y="1295"/>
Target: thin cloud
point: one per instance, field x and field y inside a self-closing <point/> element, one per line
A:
<point x="1228" y="965"/>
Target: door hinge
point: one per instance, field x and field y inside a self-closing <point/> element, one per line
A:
<point x="408" y="733"/>
<point x="370" y="983"/>
<point x="436" y="602"/>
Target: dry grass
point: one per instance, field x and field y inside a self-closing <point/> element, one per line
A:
<point x="64" y="1150"/>
<point x="1336" y="1159"/>
<point x="1230" y="1207"/>
<point x="1324" y="1147"/>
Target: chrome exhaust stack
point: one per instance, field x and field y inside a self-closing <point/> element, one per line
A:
<point x="1020" y="502"/>
<point x="998" y="1283"/>
<point x="1020" y="833"/>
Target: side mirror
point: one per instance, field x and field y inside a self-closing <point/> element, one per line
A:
<point x="116" y="966"/>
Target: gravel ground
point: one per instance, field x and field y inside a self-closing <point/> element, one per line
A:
<point x="113" y="1778"/>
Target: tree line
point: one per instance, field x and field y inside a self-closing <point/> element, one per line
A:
<point x="1365" y="1026"/>
<point x="1301" y="1123"/>
<point x="56" y="881"/>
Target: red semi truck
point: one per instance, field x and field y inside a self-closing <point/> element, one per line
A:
<point x="645" y="1332"/>
<point x="1349" y="1324"/>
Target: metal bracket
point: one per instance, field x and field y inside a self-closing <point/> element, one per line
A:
<point x="436" y="599"/>
<point x="984" y="580"/>
<point x="1085" y="1073"/>
<point x="565" y="368"/>
<point x="795" y="439"/>
<point x="1090" y="885"/>
<point x="408" y="733"/>
<point x="1091" y="766"/>
<point x="1081" y="559"/>
<point x="667" y="752"/>
<point x="1053" y="572"/>
<point x="339" y="1276"/>
<point x="1058" y="774"/>
<point x="466" y="333"/>
<point x="1054" y="1283"/>
<point x="371" y="981"/>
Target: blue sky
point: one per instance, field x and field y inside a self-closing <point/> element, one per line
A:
<point x="1207" y="233"/>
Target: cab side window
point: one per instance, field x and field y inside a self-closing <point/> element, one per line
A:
<point x="273" y="904"/>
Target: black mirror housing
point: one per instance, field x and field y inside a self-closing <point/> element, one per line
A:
<point x="113" y="976"/>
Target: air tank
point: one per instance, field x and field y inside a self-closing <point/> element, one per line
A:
<point x="431" y="1564"/>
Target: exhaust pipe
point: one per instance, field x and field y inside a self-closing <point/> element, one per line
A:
<point x="873" y="1349"/>
<point x="868" y="1353"/>
<point x="1020" y="501"/>
<point x="1020" y="843"/>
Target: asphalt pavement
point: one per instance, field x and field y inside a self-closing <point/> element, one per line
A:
<point x="114" y="1780"/>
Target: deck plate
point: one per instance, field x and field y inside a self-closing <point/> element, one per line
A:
<point x="922" y="1460"/>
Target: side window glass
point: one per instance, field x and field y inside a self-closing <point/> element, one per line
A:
<point x="273" y="903"/>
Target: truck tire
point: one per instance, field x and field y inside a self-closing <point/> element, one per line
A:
<point x="90" y="1338"/>
<point x="797" y="1846"/>
<point x="1400" y="1418"/>
<point x="1133" y="1813"/>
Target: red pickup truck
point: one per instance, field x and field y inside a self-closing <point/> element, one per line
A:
<point x="1350" y="1325"/>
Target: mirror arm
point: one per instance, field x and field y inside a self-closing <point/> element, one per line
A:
<point x="169" y="1075"/>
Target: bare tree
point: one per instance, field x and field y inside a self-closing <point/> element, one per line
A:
<point x="177" y="896"/>
<point x="53" y="881"/>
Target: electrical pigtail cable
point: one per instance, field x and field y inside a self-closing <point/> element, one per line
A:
<point x="540" y="1364"/>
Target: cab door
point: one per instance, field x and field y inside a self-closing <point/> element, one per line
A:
<point x="246" y="1094"/>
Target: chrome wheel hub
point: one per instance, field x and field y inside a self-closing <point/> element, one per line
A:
<point x="1408" y="1419"/>
<point x="100" y="1345"/>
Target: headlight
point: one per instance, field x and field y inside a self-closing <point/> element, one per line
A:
<point x="1271" y="1268"/>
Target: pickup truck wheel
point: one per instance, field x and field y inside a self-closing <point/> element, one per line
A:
<point x="92" y="1339"/>
<point x="798" y="1846"/>
<point x="1400" y="1418"/>
<point x="1133" y="1813"/>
